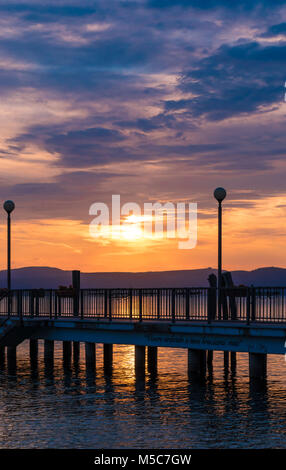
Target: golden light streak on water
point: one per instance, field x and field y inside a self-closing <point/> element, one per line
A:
<point x="70" y="408"/>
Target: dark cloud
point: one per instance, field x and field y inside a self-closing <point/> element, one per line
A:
<point x="87" y="136"/>
<point x="275" y="30"/>
<point x="214" y="4"/>
<point x="234" y="80"/>
<point x="36" y="12"/>
<point x="103" y="52"/>
<point x="160" y="121"/>
<point x="76" y="148"/>
<point x="68" y="196"/>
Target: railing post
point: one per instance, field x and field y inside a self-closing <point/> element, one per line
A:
<point x="187" y="294"/>
<point x="105" y="303"/>
<point x="19" y="305"/>
<point x="253" y="304"/>
<point x="140" y="304"/>
<point x="81" y="304"/>
<point x="211" y="293"/>
<point x="59" y="312"/>
<point x="130" y="303"/>
<point x="31" y="302"/>
<point x="158" y="303"/>
<point x="248" y="306"/>
<point x="173" y="300"/>
<point x="110" y="304"/>
<point x="76" y="287"/>
<point x="37" y="305"/>
<point x="212" y="298"/>
<point x="56" y="305"/>
<point x="8" y="303"/>
<point x="51" y="304"/>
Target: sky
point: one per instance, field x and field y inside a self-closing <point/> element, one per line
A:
<point x="152" y="100"/>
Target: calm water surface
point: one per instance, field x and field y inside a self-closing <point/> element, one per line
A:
<point x="68" y="408"/>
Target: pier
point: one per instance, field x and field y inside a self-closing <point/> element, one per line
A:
<point x="253" y="320"/>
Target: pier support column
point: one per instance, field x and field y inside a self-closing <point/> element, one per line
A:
<point x="67" y="351"/>
<point x="210" y="355"/>
<point x="48" y="351"/>
<point x="196" y="362"/>
<point x="226" y="360"/>
<point x="12" y="357"/>
<point x="257" y="365"/>
<point x="76" y="351"/>
<point x="233" y="361"/>
<point x="152" y="355"/>
<point x="2" y="356"/>
<point x="90" y="356"/>
<point x="140" y="361"/>
<point x="33" y="350"/>
<point x="76" y="287"/>
<point x="107" y="358"/>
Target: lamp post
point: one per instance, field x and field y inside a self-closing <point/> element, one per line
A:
<point x="9" y="206"/>
<point x="219" y="194"/>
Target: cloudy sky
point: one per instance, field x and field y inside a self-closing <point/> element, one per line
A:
<point x="155" y="100"/>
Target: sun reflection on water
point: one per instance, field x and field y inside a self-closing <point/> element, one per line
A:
<point x="60" y="406"/>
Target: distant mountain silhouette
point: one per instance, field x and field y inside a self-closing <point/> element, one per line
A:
<point x="36" y="277"/>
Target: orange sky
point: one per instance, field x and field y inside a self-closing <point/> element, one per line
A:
<point x="253" y="237"/>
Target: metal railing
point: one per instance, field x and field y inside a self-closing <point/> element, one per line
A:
<point x="247" y="304"/>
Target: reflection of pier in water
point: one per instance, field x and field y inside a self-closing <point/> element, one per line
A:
<point x="202" y="409"/>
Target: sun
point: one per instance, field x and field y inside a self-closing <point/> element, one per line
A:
<point x="132" y="228"/>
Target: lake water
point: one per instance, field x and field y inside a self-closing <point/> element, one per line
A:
<point x="68" y="408"/>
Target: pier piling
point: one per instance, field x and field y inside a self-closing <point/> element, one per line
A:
<point x="107" y="358"/>
<point x="33" y="350"/>
<point x="48" y="351"/>
<point x="196" y="362"/>
<point x="2" y="356"/>
<point x="12" y="357"/>
<point x="67" y="351"/>
<point x="233" y="361"/>
<point x="90" y="356"/>
<point x="152" y="356"/>
<point x="76" y="351"/>
<point x="226" y="360"/>
<point x="257" y="365"/>
<point x="140" y="361"/>
<point x="76" y="287"/>
<point x="210" y="355"/>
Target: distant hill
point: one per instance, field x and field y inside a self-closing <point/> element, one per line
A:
<point x="36" y="277"/>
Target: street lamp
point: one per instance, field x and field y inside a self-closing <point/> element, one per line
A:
<point x="219" y="194"/>
<point x="9" y="206"/>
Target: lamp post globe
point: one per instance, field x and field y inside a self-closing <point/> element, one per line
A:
<point x="9" y="206"/>
<point x="220" y="194"/>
